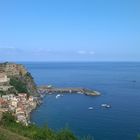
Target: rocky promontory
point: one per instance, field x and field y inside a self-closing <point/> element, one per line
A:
<point x="16" y="77"/>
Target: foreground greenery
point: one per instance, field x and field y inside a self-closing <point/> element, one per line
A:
<point x="8" y="135"/>
<point x="10" y="130"/>
<point x="32" y="132"/>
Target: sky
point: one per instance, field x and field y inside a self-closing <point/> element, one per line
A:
<point x="69" y="30"/>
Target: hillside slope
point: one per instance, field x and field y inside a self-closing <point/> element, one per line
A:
<point x="8" y="135"/>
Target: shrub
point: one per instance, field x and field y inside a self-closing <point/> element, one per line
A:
<point x="7" y="118"/>
<point x="66" y="134"/>
<point x="18" y="84"/>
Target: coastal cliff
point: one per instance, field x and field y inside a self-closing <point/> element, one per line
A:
<point x="18" y="78"/>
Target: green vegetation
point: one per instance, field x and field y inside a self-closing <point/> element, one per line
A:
<point x="18" y="84"/>
<point x="2" y="93"/>
<point x="33" y="132"/>
<point x="8" y="135"/>
<point x="28" y="74"/>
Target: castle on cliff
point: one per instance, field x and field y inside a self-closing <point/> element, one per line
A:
<point x="12" y="69"/>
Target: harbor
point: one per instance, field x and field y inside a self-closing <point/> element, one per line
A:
<point x="51" y="90"/>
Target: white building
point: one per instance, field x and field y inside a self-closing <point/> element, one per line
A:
<point x="3" y="78"/>
<point x="14" y="103"/>
<point x="5" y="97"/>
<point x="31" y="99"/>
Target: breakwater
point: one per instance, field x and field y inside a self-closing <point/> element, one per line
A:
<point x="51" y="90"/>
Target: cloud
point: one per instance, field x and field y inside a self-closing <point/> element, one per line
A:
<point x="9" y="49"/>
<point x="83" y="52"/>
<point x="91" y="52"/>
<point x="16" y="53"/>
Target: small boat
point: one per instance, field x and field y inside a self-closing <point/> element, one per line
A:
<point x="57" y="96"/>
<point x="106" y="105"/>
<point x="90" y="108"/>
<point x="103" y="105"/>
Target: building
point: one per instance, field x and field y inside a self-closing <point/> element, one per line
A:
<point x="5" y="97"/>
<point x="3" y="79"/>
<point x="31" y="99"/>
<point x="14" y="103"/>
<point x="20" y="110"/>
<point x="3" y="103"/>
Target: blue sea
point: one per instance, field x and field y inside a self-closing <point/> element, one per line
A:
<point x="119" y="84"/>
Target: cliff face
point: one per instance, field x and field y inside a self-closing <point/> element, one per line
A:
<point x="20" y="78"/>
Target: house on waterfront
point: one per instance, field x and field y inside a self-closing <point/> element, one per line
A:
<point x="20" y="110"/>
<point x="8" y="97"/>
<point x="31" y="99"/>
<point x="5" y="97"/>
<point x="23" y="97"/>
<point x="14" y="103"/>
<point x="22" y="119"/>
<point x="3" y="105"/>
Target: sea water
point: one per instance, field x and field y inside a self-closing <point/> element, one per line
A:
<point x="119" y="84"/>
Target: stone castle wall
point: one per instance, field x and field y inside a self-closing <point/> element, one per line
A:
<point x="12" y="69"/>
<point x="4" y="80"/>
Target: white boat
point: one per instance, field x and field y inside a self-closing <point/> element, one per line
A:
<point x="106" y="105"/>
<point x="57" y="96"/>
<point x="103" y="105"/>
<point x="90" y="108"/>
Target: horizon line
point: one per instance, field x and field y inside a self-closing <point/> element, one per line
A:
<point x="115" y="61"/>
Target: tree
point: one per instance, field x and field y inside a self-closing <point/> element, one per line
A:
<point x="7" y="118"/>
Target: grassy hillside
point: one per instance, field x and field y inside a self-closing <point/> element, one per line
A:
<point x="8" y="135"/>
<point x="32" y="132"/>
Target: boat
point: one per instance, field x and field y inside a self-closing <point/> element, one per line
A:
<point x="49" y="86"/>
<point x="79" y="92"/>
<point x="90" y="108"/>
<point x="106" y="105"/>
<point x="103" y="105"/>
<point x="57" y="96"/>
